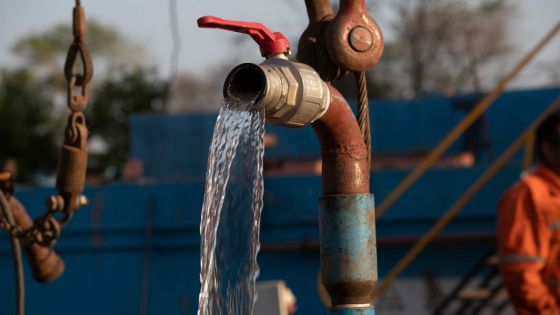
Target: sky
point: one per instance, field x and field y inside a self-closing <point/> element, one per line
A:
<point x="147" y="22"/>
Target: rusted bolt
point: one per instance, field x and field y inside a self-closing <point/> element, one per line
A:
<point x="83" y="201"/>
<point x="55" y="203"/>
<point x="360" y="38"/>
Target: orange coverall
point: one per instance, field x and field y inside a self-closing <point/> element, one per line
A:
<point x="529" y="243"/>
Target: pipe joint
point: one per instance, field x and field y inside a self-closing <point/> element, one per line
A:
<point x="348" y="250"/>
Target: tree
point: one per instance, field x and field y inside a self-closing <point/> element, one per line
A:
<point x="28" y="132"/>
<point x="47" y="50"/>
<point x="193" y="94"/>
<point x="443" y="45"/>
<point x="112" y="102"/>
<point x="27" y="114"/>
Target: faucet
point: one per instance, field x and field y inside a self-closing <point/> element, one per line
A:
<point x="293" y="95"/>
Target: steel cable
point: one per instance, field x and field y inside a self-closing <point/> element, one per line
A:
<point x="16" y="252"/>
<point x="363" y="113"/>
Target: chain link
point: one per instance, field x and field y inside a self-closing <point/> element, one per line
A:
<point x="78" y="54"/>
<point x="45" y="230"/>
<point x="73" y="155"/>
<point x="13" y="230"/>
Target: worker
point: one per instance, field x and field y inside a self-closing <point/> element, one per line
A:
<point x="529" y="230"/>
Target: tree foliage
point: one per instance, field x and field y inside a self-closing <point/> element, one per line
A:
<point x="47" y="49"/>
<point x="27" y="129"/>
<point x="113" y="101"/>
<point x="32" y="114"/>
<point x="443" y="45"/>
<point x="45" y="52"/>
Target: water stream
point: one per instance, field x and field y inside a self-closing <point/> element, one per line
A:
<point x="231" y="211"/>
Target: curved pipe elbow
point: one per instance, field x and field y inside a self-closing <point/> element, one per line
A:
<point x="345" y="168"/>
<point x="293" y="95"/>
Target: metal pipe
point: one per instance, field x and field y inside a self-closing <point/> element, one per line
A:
<point x="348" y="251"/>
<point x="293" y="94"/>
<point x="317" y="10"/>
<point x="46" y="265"/>
<point x="352" y="5"/>
<point x="301" y="98"/>
<point x="344" y="154"/>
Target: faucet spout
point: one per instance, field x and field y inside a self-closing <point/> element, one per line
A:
<point x="291" y="93"/>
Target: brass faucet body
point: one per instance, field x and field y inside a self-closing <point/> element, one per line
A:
<point x="292" y="93"/>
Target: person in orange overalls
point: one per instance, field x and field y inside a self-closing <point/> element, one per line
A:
<point x="529" y="230"/>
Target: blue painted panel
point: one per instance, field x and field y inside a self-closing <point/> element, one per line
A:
<point x="176" y="147"/>
<point x="513" y="112"/>
<point x="135" y="250"/>
<point x="411" y="125"/>
<point x="353" y="311"/>
<point x="137" y="246"/>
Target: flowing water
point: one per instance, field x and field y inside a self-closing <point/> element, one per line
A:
<point x="231" y="211"/>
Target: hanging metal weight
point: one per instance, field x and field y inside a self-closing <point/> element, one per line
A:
<point x="72" y="165"/>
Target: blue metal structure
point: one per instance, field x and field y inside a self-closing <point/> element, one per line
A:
<point x="354" y="311"/>
<point x="348" y="247"/>
<point x="135" y="249"/>
<point x="397" y="127"/>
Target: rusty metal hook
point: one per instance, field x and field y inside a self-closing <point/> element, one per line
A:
<point x="312" y="47"/>
<point x="72" y="164"/>
<point x="78" y="48"/>
<point x="354" y="40"/>
<point x="46" y="231"/>
<point x="335" y="44"/>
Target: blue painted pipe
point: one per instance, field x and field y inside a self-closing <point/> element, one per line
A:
<point x="348" y="251"/>
<point x="353" y="311"/>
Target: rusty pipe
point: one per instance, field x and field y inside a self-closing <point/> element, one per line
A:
<point x="293" y="94"/>
<point x="301" y="98"/>
<point x="347" y="217"/>
<point x="344" y="168"/>
<point x="351" y="6"/>
<point x="317" y="10"/>
<point x="46" y="265"/>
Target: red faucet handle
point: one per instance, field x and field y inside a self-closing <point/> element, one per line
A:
<point x="270" y="43"/>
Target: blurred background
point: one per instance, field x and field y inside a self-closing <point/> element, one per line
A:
<point x="155" y="93"/>
<point x="151" y="57"/>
